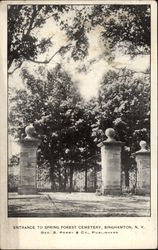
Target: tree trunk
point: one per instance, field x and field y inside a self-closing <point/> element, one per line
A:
<point x="95" y="178"/>
<point x="86" y="179"/>
<point x="10" y="62"/>
<point x="65" y="178"/>
<point x="52" y="178"/>
<point x="59" y="175"/>
<point x="71" y="179"/>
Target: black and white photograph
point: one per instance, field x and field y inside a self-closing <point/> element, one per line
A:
<point x="79" y="103"/>
<point x="78" y="119"/>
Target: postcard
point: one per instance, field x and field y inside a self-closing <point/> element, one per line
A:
<point x="78" y="125"/>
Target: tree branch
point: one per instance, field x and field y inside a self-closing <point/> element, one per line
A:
<point x="50" y="59"/>
<point x="32" y="20"/>
<point x="140" y="72"/>
<point x="134" y="71"/>
<point x="39" y="62"/>
<point x="45" y="19"/>
<point x="11" y="72"/>
<point x="45" y="41"/>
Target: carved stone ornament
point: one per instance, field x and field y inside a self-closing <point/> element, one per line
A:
<point x="29" y="130"/>
<point x="110" y="133"/>
<point x="143" y="145"/>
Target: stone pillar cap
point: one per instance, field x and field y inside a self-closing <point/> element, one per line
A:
<point x="30" y="130"/>
<point x="110" y="133"/>
<point x="110" y="143"/>
<point x="143" y="149"/>
<point x="29" y="138"/>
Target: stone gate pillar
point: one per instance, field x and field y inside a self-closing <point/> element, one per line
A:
<point x="28" y="162"/>
<point x="111" y="164"/>
<point x="143" y="170"/>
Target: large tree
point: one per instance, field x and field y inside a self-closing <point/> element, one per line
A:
<point x="57" y="111"/>
<point x="124" y="103"/>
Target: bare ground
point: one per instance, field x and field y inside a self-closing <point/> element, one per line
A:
<point x="77" y="205"/>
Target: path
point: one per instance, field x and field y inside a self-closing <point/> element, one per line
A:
<point x="77" y="205"/>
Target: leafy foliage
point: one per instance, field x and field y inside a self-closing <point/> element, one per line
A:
<point x="14" y="160"/>
<point x="120" y="24"/>
<point x="129" y="23"/>
<point x="124" y="103"/>
<point x="23" y="20"/>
